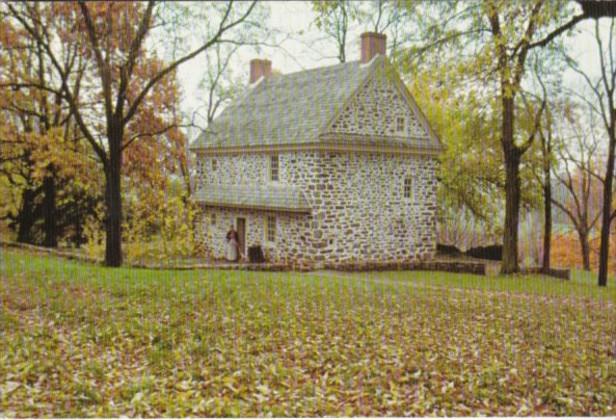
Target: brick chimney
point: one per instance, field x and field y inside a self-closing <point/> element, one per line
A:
<point x="259" y="67"/>
<point x="372" y="43"/>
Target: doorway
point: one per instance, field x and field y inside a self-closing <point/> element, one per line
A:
<point x="241" y="233"/>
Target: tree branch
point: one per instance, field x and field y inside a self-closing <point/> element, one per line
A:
<point x="102" y="64"/>
<point x="68" y="95"/>
<point x="154" y="133"/>
<point x="543" y="42"/>
<point x="128" y="67"/>
<point x="221" y="29"/>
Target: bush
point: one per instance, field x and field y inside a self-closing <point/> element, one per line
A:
<point x="164" y="234"/>
<point x="157" y="227"/>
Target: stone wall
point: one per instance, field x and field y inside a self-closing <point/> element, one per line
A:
<point x="359" y="212"/>
<point x="374" y="111"/>
<point x="559" y="273"/>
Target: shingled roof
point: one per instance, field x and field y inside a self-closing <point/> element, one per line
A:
<point x="285" y="109"/>
<point x="293" y="109"/>
<point x="263" y="197"/>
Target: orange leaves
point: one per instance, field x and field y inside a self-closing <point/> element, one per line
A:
<point x="157" y="144"/>
<point x="115" y="22"/>
<point x="566" y="252"/>
<point x="10" y="37"/>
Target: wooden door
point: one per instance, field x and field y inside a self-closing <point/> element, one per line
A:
<point x="241" y="233"/>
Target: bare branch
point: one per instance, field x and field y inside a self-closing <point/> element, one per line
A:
<point x="150" y="134"/>
<point x="221" y="29"/>
<point x="545" y="41"/>
<point x="102" y="64"/>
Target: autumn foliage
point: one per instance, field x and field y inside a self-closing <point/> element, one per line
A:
<point x="54" y="149"/>
<point x="566" y="252"/>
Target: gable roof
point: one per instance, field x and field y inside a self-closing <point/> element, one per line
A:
<point x="296" y="109"/>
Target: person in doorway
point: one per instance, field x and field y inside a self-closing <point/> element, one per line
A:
<point x="233" y="245"/>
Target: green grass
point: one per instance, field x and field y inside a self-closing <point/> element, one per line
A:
<point x="83" y="340"/>
<point x="582" y="284"/>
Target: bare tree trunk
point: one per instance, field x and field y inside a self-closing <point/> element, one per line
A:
<point x="113" y="198"/>
<point x="512" y="158"/>
<point x="607" y="206"/>
<point x="25" y="217"/>
<point x="547" y="218"/>
<point x="49" y="211"/>
<point x="546" y="150"/>
<point x="512" y="216"/>
<point x="585" y="248"/>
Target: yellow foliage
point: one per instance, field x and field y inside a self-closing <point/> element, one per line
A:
<point x="161" y="235"/>
<point x="153" y="231"/>
<point x="95" y="235"/>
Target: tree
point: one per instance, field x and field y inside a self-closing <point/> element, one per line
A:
<point x="500" y="35"/>
<point x="40" y="143"/>
<point x="547" y="71"/>
<point x="470" y="167"/>
<point x="126" y="75"/>
<point x="547" y="143"/>
<point x="335" y="19"/>
<point x="544" y="169"/>
<point x="578" y="159"/>
<point x="472" y="183"/>
<point x="221" y="82"/>
<point x="603" y="91"/>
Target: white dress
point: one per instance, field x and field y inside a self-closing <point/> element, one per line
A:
<point x="231" y="250"/>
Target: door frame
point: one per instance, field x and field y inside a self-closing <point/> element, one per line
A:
<point x="241" y="235"/>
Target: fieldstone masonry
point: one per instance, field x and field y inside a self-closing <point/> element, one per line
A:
<point x="373" y="144"/>
<point x="359" y="212"/>
<point x="375" y="109"/>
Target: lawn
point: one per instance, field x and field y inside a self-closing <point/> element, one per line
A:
<point x="81" y="340"/>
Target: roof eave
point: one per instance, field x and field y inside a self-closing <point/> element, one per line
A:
<point x="301" y="210"/>
<point x="327" y="144"/>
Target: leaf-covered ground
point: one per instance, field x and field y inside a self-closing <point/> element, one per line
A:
<point x="80" y="340"/>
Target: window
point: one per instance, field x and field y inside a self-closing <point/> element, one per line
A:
<point x="400" y="124"/>
<point x="274" y="167"/>
<point x="270" y="229"/>
<point x="214" y="164"/>
<point x="408" y="188"/>
<point x="213" y="219"/>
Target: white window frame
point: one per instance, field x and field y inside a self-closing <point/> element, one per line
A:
<point x="407" y="187"/>
<point x="270" y="221"/>
<point x="271" y="167"/>
<point x="400" y="130"/>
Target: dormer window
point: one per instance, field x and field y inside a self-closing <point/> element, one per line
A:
<point x="274" y="168"/>
<point x="400" y="124"/>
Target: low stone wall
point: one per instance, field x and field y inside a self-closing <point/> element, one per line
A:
<point x="559" y="273"/>
<point x="51" y="251"/>
<point x="469" y="267"/>
<point x="215" y="266"/>
<point x="87" y="259"/>
<point x="447" y="266"/>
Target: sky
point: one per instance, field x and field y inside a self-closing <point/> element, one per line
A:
<point x="304" y="47"/>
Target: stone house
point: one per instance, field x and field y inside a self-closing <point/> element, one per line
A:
<point x="331" y="165"/>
